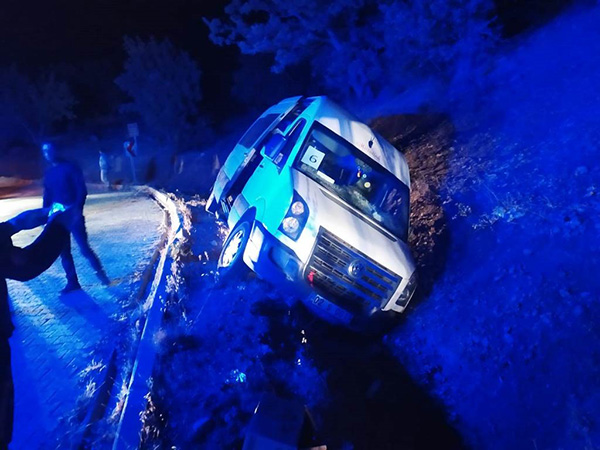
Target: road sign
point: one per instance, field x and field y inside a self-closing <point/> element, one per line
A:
<point x="133" y="130"/>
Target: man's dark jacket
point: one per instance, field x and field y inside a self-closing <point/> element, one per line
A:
<point x="64" y="183"/>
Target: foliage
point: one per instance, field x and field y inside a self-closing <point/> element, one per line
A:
<point x="254" y="71"/>
<point x="163" y="83"/>
<point x="293" y="32"/>
<point x="448" y="41"/>
<point x="34" y="104"/>
<point x="92" y="81"/>
<point x="359" y="48"/>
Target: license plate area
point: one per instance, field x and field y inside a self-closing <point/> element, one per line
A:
<point x="331" y="308"/>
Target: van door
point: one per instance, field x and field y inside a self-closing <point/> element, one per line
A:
<point x="270" y="188"/>
<point x="245" y="157"/>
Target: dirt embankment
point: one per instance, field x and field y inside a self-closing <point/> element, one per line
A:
<point x="426" y="141"/>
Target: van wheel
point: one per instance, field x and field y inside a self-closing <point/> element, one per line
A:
<point x="231" y="263"/>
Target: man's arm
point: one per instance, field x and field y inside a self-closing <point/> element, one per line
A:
<point x="23" y="264"/>
<point x="29" y="220"/>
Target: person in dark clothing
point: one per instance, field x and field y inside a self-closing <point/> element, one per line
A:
<point x="64" y="184"/>
<point x="23" y="264"/>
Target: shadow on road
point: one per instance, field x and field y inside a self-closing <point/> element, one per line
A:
<point x="86" y="307"/>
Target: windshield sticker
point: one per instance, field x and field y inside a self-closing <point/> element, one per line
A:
<point x="313" y="157"/>
<point x="325" y="177"/>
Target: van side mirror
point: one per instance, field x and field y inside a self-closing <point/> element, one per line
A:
<point x="274" y="145"/>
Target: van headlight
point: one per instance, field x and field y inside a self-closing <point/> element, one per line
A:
<point x="408" y="291"/>
<point x="290" y="225"/>
<point x="295" y="219"/>
<point x="297" y="208"/>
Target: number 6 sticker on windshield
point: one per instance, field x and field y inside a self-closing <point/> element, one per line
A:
<point x="313" y="157"/>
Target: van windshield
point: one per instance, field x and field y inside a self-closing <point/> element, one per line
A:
<point x="351" y="175"/>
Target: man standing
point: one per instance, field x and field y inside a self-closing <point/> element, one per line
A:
<point x="22" y="264"/>
<point x="104" y="164"/>
<point x="64" y="184"/>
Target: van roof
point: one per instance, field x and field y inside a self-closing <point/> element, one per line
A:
<point x="346" y="125"/>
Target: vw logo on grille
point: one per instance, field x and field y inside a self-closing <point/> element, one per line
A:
<point x="356" y="269"/>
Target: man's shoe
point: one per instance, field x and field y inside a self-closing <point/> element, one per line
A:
<point x="103" y="278"/>
<point x="70" y="287"/>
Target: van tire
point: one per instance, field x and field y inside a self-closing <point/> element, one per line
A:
<point x="230" y="265"/>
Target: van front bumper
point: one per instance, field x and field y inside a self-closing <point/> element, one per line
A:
<point x="275" y="262"/>
<point x="272" y="260"/>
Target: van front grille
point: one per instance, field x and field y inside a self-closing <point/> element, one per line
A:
<point x="347" y="277"/>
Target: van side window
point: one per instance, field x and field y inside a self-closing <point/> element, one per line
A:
<point x="294" y="113"/>
<point x="290" y="140"/>
<point x="249" y="140"/>
<point x="257" y="129"/>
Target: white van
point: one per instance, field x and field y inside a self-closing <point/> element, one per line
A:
<point x="315" y="197"/>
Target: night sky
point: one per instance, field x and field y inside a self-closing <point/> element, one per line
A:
<point x="42" y="34"/>
<point x="37" y="34"/>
